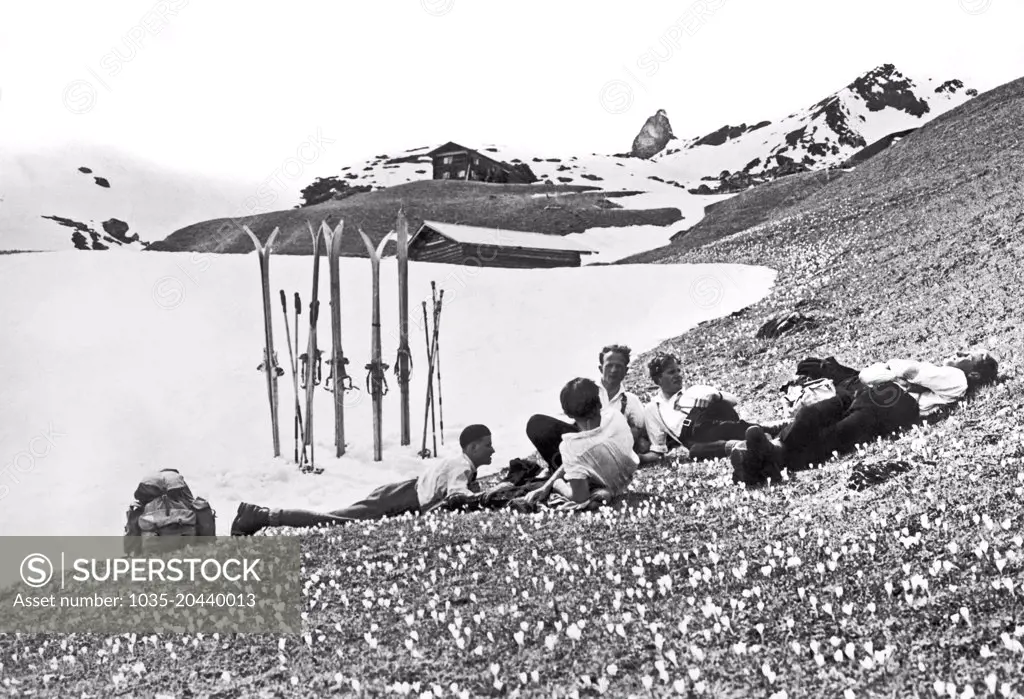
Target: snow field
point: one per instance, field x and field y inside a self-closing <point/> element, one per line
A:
<point x="120" y="363"/>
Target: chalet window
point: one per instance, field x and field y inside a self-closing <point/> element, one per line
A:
<point x="446" y="175"/>
<point x="447" y="160"/>
<point x="462" y="173"/>
<point x="476" y="161"/>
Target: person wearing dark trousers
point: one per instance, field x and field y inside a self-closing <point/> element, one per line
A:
<point x="702" y="419"/>
<point x="871" y="403"/>
<point x="545" y="432"/>
<point x="450" y="478"/>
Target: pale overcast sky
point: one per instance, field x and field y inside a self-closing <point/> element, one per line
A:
<point x="230" y="88"/>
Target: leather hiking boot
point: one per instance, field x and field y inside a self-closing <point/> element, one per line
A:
<point x="768" y="454"/>
<point x="249" y="520"/>
<point x="742" y="468"/>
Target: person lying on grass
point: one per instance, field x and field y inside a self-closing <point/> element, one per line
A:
<point x="871" y="403"/>
<point x="597" y="460"/>
<point x="545" y="432"/>
<point x="441" y="482"/>
<point x="702" y="419"/>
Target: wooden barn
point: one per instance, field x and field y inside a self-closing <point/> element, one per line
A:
<point x="454" y="162"/>
<point x="492" y="247"/>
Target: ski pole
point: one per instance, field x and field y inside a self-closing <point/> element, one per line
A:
<point x="299" y="429"/>
<point x="433" y="362"/>
<point x="430" y="378"/>
<point x="437" y="361"/>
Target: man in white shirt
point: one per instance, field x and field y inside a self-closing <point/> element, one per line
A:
<point x="701" y="418"/>
<point x="597" y="460"/>
<point x="871" y="403"/>
<point x="545" y="432"/>
<point x="455" y="476"/>
<point x="613" y="363"/>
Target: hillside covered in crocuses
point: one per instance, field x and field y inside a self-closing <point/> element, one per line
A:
<point x="694" y="586"/>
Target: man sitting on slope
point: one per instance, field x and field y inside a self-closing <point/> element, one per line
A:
<point x="545" y="432"/>
<point x="703" y="419"/>
<point x="448" y="479"/>
<point x="871" y="403"/>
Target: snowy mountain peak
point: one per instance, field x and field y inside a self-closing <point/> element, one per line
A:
<point x="880" y="102"/>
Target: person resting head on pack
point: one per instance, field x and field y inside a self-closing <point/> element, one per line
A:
<point x="873" y="402"/>
<point x="597" y="459"/>
<point x="545" y="432"/>
<point x="453" y="476"/>
<point x="701" y="418"/>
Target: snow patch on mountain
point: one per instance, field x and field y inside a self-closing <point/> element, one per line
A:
<point x="825" y="134"/>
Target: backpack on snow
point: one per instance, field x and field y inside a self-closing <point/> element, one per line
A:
<point x="165" y="507"/>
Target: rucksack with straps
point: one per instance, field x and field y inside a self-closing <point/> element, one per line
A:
<point x="165" y="507"/>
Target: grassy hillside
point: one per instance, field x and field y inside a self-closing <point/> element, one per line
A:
<point x="695" y="587"/>
<point x="557" y="210"/>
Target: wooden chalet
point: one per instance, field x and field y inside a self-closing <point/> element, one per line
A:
<point x="492" y="247"/>
<point x="455" y="162"/>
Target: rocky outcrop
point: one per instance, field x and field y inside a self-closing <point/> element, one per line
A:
<point x="653" y="137"/>
<point x="85" y="237"/>
<point x="886" y="87"/>
<point x="727" y="133"/>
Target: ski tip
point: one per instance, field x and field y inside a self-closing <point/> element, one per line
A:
<point x="367" y="242"/>
<point x="252" y="236"/>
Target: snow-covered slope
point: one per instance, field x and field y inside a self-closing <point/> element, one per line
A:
<point x="878" y="103"/>
<point x="91" y="198"/>
<point x="137" y="362"/>
<point x="824" y="134"/>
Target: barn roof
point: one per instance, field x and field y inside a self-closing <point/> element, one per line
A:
<point x="503" y="238"/>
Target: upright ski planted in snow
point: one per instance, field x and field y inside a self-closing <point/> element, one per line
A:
<point x="403" y="362"/>
<point x="269" y="365"/>
<point x="313" y="354"/>
<point x="376" y="381"/>
<point x="338" y="377"/>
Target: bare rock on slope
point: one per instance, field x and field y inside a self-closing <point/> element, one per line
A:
<point x="653" y="137"/>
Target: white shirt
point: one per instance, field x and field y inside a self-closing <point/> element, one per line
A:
<point x="604" y="455"/>
<point x="442" y="479"/>
<point x="634" y="410"/>
<point x="666" y="414"/>
<point x="931" y="385"/>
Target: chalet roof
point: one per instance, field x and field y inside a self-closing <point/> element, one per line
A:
<point x="503" y="238"/>
<point x="450" y="146"/>
<point x="453" y="146"/>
